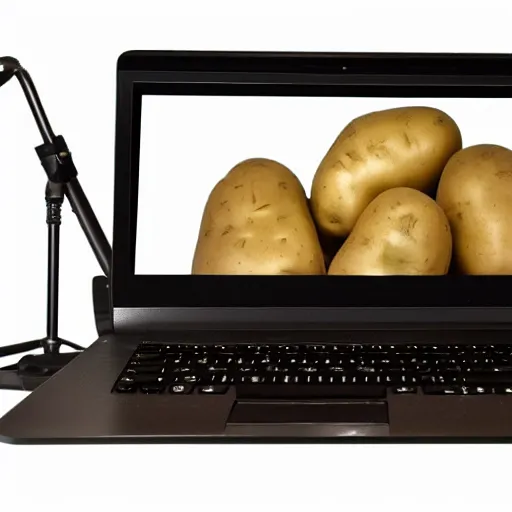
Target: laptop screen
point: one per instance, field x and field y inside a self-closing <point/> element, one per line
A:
<point x="289" y="200"/>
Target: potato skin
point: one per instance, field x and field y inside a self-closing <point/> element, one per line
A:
<point x="399" y="147"/>
<point x="475" y="191"/>
<point x="257" y="221"/>
<point x="401" y="232"/>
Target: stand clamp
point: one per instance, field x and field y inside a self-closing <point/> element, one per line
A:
<point x="56" y="160"/>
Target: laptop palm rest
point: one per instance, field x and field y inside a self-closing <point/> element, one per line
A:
<point x="295" y="418"/>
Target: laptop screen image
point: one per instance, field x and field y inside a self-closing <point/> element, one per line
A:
<point x="188" y="144"/>
<point x="312" y="184"/>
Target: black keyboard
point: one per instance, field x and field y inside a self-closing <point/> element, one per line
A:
<point x="318" y="371"/>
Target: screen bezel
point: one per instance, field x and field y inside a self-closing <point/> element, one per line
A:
<point x="291" y="74"/>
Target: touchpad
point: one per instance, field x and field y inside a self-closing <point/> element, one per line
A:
<point x="306" y="412"/>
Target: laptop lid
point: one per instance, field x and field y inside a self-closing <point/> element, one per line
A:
<point x="184" y="119"/>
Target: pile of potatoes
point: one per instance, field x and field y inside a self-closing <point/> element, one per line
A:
<point x="396" y="194"/>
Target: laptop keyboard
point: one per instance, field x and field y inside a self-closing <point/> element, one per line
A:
<point x="318" y="371"/>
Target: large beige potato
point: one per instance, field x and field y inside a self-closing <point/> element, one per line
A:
<point x="399" y="147"/>
<point x="401" y="232"/>
<point x="257" y="221"/>
<point x="475" y="192"/>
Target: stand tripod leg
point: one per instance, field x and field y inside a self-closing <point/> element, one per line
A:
<point x="19" y="348"/>
<point x="70" y="344"/>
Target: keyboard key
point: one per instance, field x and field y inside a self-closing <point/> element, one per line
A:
<point x="213" y="390"/>
<point x="149" y="368"/>
<point x="227" y="351"/>
<point x="150" y="349"/>
<point x="442" y="390"/>
<point x="148" y="356"/>
<point x="250" y="378"/>
<point x="147" y="378"/>
<point x="307" y="369"/>
<point x="181" y="389"/>
<point x="366" y="369"/>
<point x="480" y="390"/>
<point x="246" y="349"/>
<point x="343" y="349"/>
<point x="305" y="391"/>
<point x="395" y="369"/>
<point x="316" y="348"/>
<point x="214" y="369"/>
<point x="503" y="390"/>
<point x="185" y="348"/>
<point x="402" y="390"/>
<point x="152" y="388"/>
<point x="490" y="377"/>
<point x="124" y="387"/>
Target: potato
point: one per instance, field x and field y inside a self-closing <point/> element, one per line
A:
<point x="475" y="192"/>
<point x="257" y="221"/>
<point x="399" y="147"/>
<point x="401" y="232"/>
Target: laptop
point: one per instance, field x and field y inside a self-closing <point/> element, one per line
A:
<point x="286" y="358"/>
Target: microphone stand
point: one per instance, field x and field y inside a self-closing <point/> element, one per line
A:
<point x="56" y="160"/>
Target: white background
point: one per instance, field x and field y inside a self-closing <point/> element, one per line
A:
<point x="189" y="143"/>
<point x="71" y="48"/>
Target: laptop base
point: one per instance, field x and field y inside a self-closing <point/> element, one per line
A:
<point x="77" y="405"/>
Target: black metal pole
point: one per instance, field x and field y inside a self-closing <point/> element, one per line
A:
<point x="54" y="200"/>
<point x="35" y="105"/>
<point x="89" y="223"/>
<point x="53" y="282"/>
